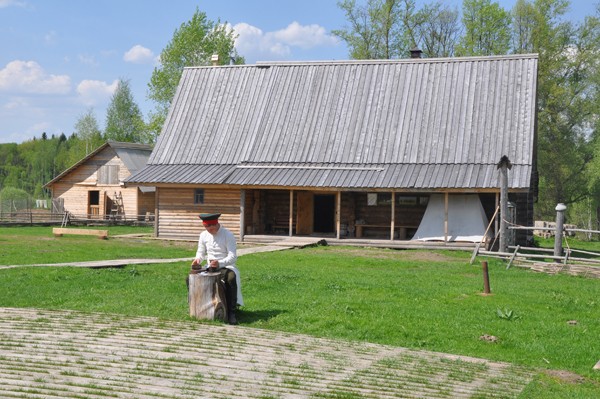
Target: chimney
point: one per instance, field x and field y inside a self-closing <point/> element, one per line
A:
<point x="415" y="52"/>
<point x="214" y="59"/>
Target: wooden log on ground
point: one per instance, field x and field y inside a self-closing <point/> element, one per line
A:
<point x="59" y="231"/>
<point x="206" y="297"/>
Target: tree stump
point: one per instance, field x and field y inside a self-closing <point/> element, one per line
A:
<point x="206" y="296"/>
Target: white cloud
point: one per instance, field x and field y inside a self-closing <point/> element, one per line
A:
<point x="94" y="92"/>
<point x="306" y="37"/>
<point x="139" y="55"/>
<point x="87" y="59"/>
<point x="16" y="103"/>
<point x="29" y="77"/>
<point x="9" y="3"/>
<point x="254" y="44"/>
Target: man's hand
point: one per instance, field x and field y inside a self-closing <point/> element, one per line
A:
<point x="196" y="264"/>
<point x="213" y="264"/>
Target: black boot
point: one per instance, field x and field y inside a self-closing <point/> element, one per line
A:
<point x="231" y="319"/>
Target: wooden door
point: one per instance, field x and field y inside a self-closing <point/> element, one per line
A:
<point x="304" y="213"/>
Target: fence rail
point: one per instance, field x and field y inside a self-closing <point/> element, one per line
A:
<point x="51" y="218"/>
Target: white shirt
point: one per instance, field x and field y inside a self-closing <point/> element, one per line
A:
<point x="222" y="247"/>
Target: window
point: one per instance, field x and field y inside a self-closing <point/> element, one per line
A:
<point x="372" y="199"/>
<point x="412" y="200"/>
<point x="199" y="196"/>
<point x="108" y="174"/>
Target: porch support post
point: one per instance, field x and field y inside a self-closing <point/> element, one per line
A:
<point x="446" y="216"/>
<point x="155" y="212"/>
<point x="338" y="213"/>
<point x="291" y="222"/>
<point x="496" y="220"/>
<point x="242" y="214"/>
<point x="504" y="165"/>
<point x="393" y="223"/>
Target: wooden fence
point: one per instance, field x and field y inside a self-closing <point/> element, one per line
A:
<point x="37" y="217"/>
<point x="570" y="261"/>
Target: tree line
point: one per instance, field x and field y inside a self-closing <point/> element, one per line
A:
<point x="568" y="150"/>
<point x="568" y="92"/>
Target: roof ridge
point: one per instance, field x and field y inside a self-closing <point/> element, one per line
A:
<point x="266" y="64"/>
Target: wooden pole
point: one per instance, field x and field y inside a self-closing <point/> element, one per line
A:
<point x="504" y="165"/>
<point x="338" y="214"/>
<point x="291" y="216"/>
<point x="560" y="218"/>
<point x="393" y="224"/>
<point x="446" y="217"/>
<point x="486" y="278"/>
<point x="242" y="214"/>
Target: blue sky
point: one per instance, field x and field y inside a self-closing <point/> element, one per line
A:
<point x="60" y="58"/>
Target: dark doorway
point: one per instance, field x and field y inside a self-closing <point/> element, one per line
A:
<point x="93" y="204"/>
<point x="324" y="215"/>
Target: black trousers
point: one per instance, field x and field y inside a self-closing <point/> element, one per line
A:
<point x="228" y="280"/>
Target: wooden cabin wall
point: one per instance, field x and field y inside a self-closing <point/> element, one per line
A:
<point x="275" y="211"/>
<point x="74" y="187"/>
<point x="409" y="211"/>
<point x="75" y="197"/>
<point x="254" y="214"/>
<point x="146" y="202"/>
<point x="524" y="207"/>
<point x="348" y="214"/>
<point x="178" y="215"/>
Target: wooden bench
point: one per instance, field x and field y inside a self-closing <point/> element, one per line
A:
<point x="59" y="231"/>
<point x="402" y="229"/>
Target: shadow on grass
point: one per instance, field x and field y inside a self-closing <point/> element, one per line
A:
<point x="255" y="316"/>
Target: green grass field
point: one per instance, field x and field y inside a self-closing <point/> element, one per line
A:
<point x="411" y="298"/>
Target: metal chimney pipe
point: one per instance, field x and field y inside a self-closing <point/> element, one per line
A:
<point x="415" y="52"/>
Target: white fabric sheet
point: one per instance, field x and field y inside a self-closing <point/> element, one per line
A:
<point x="466" y="219"/>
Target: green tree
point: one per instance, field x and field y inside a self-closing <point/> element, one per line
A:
<point x="437" y="30"/>
<point x="124" y="121"/>
<point x="86" y="128"/>
<point x="487" y="29"/>
<point x="383" y="29"/>
<point x="568" y="62"/>
<point x="523" y="23"/>
<point x="13" y="199"/>
<point x="193" y="44"/>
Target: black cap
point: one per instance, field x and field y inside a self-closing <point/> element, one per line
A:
<point x="206" y="217"/>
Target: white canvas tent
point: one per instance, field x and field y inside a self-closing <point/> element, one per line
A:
<point x="466" y="219"/>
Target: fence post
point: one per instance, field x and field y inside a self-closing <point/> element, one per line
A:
<point x="486" y="278"/>
<point x="560" y="218"/>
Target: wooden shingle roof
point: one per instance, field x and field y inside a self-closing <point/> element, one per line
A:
<point x="414" y="123"/>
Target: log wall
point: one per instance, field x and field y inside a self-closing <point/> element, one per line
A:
<point x="178" y="215"/>
<point x="75" y="186"/>
<point x="146" y="202"/>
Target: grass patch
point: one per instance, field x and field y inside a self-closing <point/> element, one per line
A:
<point x="33" y="245"/>
<point x="409" y="298"/>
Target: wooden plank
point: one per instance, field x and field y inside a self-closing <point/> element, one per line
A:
<point x="59" y="231"/>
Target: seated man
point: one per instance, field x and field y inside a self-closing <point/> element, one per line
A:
<point x="217" y="245"/>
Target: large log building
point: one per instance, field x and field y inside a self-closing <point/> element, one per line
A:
<point x="344" y="148"/>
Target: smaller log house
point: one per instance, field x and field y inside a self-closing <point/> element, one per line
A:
<point x="93" y="187"/>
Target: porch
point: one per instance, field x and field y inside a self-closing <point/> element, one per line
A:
<point x="303" y="241"/>
<point x="347" y="217"/>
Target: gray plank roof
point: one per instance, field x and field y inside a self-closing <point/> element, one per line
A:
<point x="133" y="155"/>
<point x="420" y="124"/>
